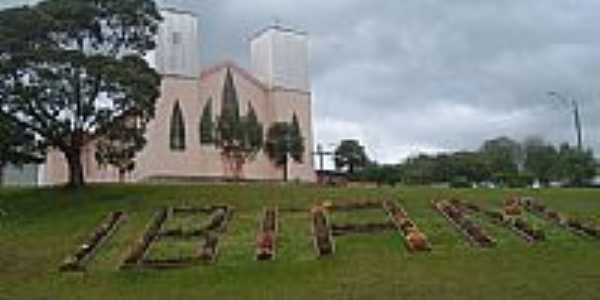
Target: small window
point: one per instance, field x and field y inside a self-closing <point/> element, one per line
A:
<point x="177" y="132"/>
<point x="176" y="38"/>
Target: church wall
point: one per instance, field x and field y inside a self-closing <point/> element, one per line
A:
<point x="56" y="169"/>
<point x="157" y="159"/>
<point x="261" y="167"/>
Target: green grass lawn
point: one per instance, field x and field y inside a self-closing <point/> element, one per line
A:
<point x="42" y="227"/>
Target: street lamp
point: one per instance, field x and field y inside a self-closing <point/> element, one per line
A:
<point x="575" y="106"/>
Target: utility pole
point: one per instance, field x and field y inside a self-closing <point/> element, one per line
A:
<point x="577" y="117"/>
<point x="322" y="154"/>
<point x="578" y="125"/>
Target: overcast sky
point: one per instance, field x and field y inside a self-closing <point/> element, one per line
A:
<point x="428" y="75"/>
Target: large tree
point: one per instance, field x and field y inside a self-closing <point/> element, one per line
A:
<point x="576" y="167"/>
<point x="238" y="137"/>
<point x="17" y="146"/>
<point x="503" y="156"/>
<point x="118" y="148"/>
<point x="540" y="158"/>
<point x="285" y="141"/>
<point x="351" y="155"/>
<point x="70" y="68"/>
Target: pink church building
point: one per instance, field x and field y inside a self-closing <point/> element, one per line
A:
<point x="277" y="86"/>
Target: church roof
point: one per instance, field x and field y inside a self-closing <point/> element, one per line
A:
<point x="280" y="28"/>
<point x="236" y="68"/>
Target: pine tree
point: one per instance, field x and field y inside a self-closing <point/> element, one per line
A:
<point x="239" y="139"/>
<point x="229" y="124"/>
<point x="297" y="145"/>
<point x="253" y="131"/>
<point x="207" y="125"/>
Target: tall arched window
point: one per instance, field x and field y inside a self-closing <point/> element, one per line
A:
<point x="177" y="137"/>
<point x="207" y="125"/>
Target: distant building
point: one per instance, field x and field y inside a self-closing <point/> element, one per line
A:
<point x="330" y="177"/>
<point x="27" y="175"/>
<point x="277" y="87"/>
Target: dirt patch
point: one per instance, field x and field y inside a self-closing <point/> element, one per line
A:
<point x="78" y="261"/>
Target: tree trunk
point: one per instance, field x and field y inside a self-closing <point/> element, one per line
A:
<point x="76" y="179"/>
<point x="285" y="169"/>
<point x="121" y="175"/>
<point x="2" y="174"/>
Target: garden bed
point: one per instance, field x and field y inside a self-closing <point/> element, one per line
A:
<point x="361" y="205"/>
<point x="179" y="248"/>
<point x="368" y="228"/>
<point x="190" y="254"/>
<point x="577" y="227"/>
<point x="196" y="210"/>
<point x="219" y="219"/>
<point x="415" y="239"/>
<point x="266" y="240"/>
<point x="86" y="251"/>
<point x="514" y="222"/>
<point x="323" y="240"/>
<point x="138" y="252"/>
<point x="472" y="232"/>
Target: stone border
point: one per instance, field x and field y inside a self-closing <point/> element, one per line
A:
<point x="85" y="253"/>
<point x="323" y="240"/>
<point x="414" y="238"/>
<point x="470" y="230"/>
<point x="266" y="240"/>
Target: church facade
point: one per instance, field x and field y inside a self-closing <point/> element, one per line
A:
<point x="277" y="88"/>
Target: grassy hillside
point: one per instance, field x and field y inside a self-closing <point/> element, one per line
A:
<point x="41" y="227"/>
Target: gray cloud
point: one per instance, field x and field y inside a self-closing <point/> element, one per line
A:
<point x="429" y="75"/>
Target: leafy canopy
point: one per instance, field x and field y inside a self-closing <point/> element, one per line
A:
<point x="350" y="154"/>
<point x="18" y="147"/>
<point x="71" y="68"/>
<point x="284" y="141"/>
